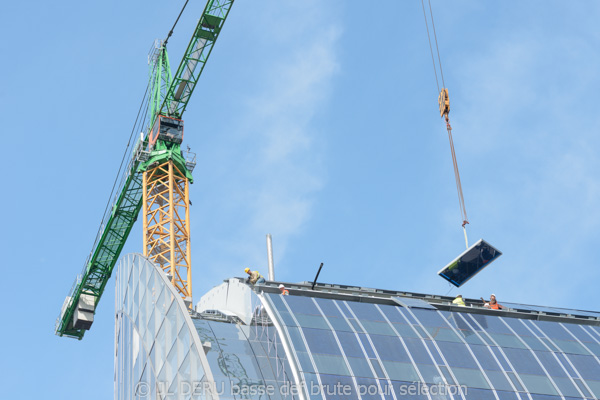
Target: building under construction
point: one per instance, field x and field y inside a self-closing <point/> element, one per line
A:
<point x="338" y="342"/>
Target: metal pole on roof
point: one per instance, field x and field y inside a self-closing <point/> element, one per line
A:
<point x="270" y="257"/>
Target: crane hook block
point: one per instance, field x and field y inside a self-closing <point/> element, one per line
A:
<point x="444" y="102"/>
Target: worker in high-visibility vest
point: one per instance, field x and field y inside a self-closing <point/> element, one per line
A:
<point x="459" y="301"/>
<point x="284" y="291"/>
<point x="255" y="277"/>
<point x="493" y="303"/>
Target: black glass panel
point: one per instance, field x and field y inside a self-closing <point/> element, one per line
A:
<point x="469" y="263"/>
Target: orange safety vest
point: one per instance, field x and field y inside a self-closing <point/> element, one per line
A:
<point x="285" y="292"/>
<point x="495" y="306"/>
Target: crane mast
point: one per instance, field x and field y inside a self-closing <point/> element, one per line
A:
<point x="156" y="179"/>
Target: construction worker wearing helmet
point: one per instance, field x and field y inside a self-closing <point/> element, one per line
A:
<point x="283" y="290"/>
<point x="255" y="277"/>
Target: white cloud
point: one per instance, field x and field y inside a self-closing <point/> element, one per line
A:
<point x="275" y="164"/>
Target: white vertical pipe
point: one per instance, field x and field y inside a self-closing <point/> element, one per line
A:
<point x="270" y="257"/>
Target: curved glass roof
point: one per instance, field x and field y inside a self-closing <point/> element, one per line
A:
<point x="390" y="350"/>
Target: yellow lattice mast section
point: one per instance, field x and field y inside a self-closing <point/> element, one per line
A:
<point x="166" y="223"/>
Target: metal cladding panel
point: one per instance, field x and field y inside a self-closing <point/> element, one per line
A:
<point x="469" y="263"/>
<point x="415" y="303"/>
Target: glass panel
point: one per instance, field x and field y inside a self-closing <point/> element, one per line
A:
<point x="499" y="380"/>
<point x="301" y="304"/>
<point x="566" y="386"/>
<point x="355" y="325"/>
<point x="578" y="332"/>
<point x="563" y="361"/>
<point x="429" y="318"/>
<point x="405" y="330"/>
<point x="312" y="387"/>
<point x="469" y="263"/>
<point x="418" y="351"/>
<point x="430" y="374"/>
<point x="550" y="363"/>
<point x="490" y="324"/>
<point x="338" y="387"/>
<point x="538" y="384"/>
<point x="515" y="381"/>
<point x="534" y="343"/>
<point x="587" y="366"/>
<point x="377" y="367"/>
<point x="523" y="361"/>
<point x="457" y="355"/>
<point x="479" y="394"/>
<point x="304" y="359"/>
<point x="296" y="338"/>
<point x="350" y="344"/>
<point x="449" y="379"/>
<point x="472" y="378"/>
<point x="407" y="391"/>
<point x="328" y="364"/>
<point x="507" y="340"/>
<point x="553" y="330"/>
<point x="568" y="346"/>
<point x="366" y="345"/>
<point x="485" y="358"/>
<point x="517" y="326"/>
<point x="365" y="311"/>
<point x="391" y="312"/>
<point x="401" y="371"/>
<point x="582" y="387"/>
<point x="445" y="334"/>
<point x="507" y="395"/>
<point x="360" y="367"/>
<point x="321" y="341"/>
<point x="329" y="307"/>
<point x="368" y="389"/>
<point x="434" y="352"/>
<point x="378" y="328"/>
<point x="389" y="348"/>
<point x="339" y="324"/>
<point x="311" y="321"/>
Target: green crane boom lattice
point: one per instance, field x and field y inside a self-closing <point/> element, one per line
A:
<point x="169" y="97"/>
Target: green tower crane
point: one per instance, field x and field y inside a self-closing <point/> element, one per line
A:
<point x="155" y="179"/>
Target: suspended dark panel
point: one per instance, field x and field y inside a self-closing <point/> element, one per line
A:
<point x="469" y="263"/>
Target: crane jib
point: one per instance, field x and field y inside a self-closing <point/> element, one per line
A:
<point x="76" y="315"/>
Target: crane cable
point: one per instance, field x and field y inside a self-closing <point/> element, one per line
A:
<point x="444" y="103"/>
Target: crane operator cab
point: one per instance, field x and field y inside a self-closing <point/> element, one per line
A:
<point x="167" y="129"/>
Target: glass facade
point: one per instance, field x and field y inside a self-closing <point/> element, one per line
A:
<point x="157" y="353"/>
<point x="386" y="351"/>
<point x="302" y="347"/>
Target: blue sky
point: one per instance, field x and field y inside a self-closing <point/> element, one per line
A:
<point x="316" y="122"/>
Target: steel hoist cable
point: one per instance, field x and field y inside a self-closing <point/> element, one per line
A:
<point x="444" y="104"/>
